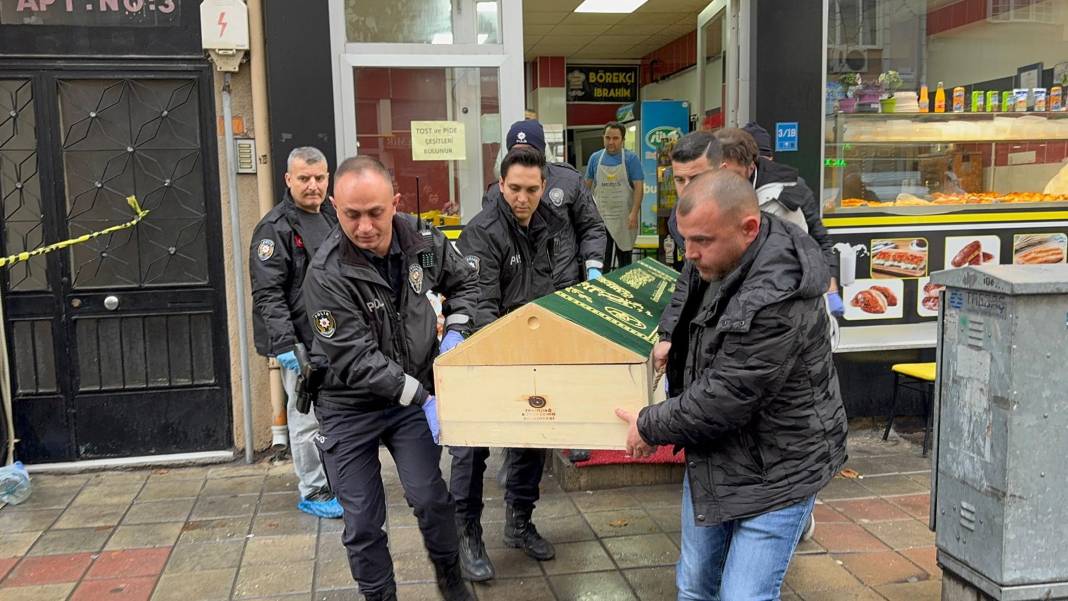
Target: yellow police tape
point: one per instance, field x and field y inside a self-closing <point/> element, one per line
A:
<point x="26" y="255"/>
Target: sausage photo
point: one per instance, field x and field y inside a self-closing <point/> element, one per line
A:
<point x="969" y="253"/>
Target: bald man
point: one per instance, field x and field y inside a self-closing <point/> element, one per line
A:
<point x="759" y="412"/>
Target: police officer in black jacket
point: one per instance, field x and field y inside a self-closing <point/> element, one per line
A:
<point x="511" y="244"/>
<point x="283" y="245"/>
<point x="578" y="250"/>
<point x="376" y="331"/>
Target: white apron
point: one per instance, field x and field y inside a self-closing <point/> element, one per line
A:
<point x="613" y="194"/>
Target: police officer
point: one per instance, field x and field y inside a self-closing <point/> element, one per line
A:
<point x="510" y="244"/>
<point x="376" y="331"/>
<point x="283" y="245"/>
<point x="578" y="251"/>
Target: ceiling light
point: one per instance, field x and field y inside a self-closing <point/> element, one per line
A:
<point x="609" y="6"/>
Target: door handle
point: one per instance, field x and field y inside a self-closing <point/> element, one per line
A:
<point x="111" y="302"/>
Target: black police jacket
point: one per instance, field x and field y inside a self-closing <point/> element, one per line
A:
<point x="514" y="264"/>
<point x="276" y="265"/>
<point x="379" y="353"/>
<point x="581" y="241"/>
<point x="761" y="415"/>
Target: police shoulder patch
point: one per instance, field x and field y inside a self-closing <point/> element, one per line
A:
<point x="556" y="196"/>
<point x="265" y="249"/>
<point x="473" y="261"/>
<point x="325" y="323"/>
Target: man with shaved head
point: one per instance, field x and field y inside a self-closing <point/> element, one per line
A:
<point x="758" y="411"/>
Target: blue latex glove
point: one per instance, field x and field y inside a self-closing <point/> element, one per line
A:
<point x="449" y="341"/>
<point x="289" y="361"/>
<point x="592" y="273"/>
<point x="430" y="410"/>
<point x="834" y="302"/>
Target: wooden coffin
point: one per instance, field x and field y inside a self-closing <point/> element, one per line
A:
<point x="552" y="373"/>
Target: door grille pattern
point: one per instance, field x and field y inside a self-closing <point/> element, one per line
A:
<point x="20" y="189"/>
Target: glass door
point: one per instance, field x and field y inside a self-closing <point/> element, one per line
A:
<point x="723" y="64"/>
<point x="431" y="97"/>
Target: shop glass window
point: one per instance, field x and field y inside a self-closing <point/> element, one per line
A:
<point x="423" y="21"/>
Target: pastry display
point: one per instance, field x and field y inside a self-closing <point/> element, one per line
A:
<point x="966" y="198"/>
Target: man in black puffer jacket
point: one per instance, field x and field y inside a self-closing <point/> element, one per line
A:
<point x="760" y="414"/>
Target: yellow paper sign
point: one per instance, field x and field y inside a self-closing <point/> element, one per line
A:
<point x="438" y="141"/>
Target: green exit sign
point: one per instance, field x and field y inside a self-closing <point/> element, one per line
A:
<point x="834" y="163"/>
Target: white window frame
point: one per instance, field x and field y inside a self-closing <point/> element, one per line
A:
<point x="737" y="61"/>
<point x="506" y="57"/>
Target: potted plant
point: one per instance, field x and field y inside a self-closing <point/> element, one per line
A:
<point x="850" y="83"/>
<point x="890" y="82"/>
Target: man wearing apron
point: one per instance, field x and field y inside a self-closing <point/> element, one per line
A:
<point x="616" y="178"/>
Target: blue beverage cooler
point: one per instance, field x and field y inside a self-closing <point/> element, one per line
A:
<point x="653" y="128"/>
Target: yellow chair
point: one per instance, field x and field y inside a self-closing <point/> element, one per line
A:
<point x="921" y="378"/>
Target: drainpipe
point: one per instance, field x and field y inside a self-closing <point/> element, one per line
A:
<point x="261" y="130"/>
<point x="5" y="390"/>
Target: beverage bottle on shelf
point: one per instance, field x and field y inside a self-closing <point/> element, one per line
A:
<point x="940" y="98"/>
<point x="958" y="99"/>
<point x="925" y="102"/>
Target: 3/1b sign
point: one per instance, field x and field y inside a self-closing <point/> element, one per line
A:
<point x="786" y="136"/>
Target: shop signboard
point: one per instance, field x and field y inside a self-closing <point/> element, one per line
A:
<point x="602" y="83"/>
<point x="438" y="141"/>
<point x="91" y="13"/>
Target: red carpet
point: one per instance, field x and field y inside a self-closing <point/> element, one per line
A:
<point x="662" y="455"/>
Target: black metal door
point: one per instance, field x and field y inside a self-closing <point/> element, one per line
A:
<point x="119" y="344"/>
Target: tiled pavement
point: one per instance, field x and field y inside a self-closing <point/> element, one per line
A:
<point x="232" y="532"/>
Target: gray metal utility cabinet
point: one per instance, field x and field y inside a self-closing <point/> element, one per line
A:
<point x="1001" y="473"/>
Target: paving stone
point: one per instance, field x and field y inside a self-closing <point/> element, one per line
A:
<point x="208" y="508"/>
<point x="592" y="586"/>
<point x="570" y="558"/>
<point x="107" y="494"/>
<point x="17" y="543"/>
<point x="74" y="540"/>
<point x="846" y="538"/>
<point x="568" y="529"/>
<point x="266" y="580"/>
<point x="160" y="490"/>
<point x="207" y="585"/>
<point x="893" y="485"/>
<point x="418" y="592"/>
<point x="173" y="510"/>
<point x="197" y="557"/>
<point x="852" y="594"/>
<point x="128" y="563"/>
<point x="347" y="594"/>
<point x="288" y="483"/>
<point x="918" y="506"/>
<point x="400" y="516"/>
<point x="145" y="535"/>
<point x="843" y="488"/>
<point x="118" y="478"/>
<point x="643" y="550"/>
<point x="76" y="480"/>
<point x="825" y="514"/>
<point x="514" y="563"/>
<point x="412" y="566"/>
<point x="903" y="534"/>
<point x="48" y="592"/>
<point x="55" y="496"/>
<point x="238" y="470"/>
<point x="333" y="574"/>
<point x="244" y="485"/>
<point x="49" y="569"/>
<point x="283" y="502"/>
<point x="669" y="518"/>
<point x="883" y="567"/>
<point x="926" y="558"/>
<point x="869" y="510"/>
<point x="809" y="573"/>
<point x="533" y="588"/>
<point x="808" y="547"/>
<point x="28" y="520"/>
<point x="6" y="564"/>
<point x="279" y="549"/>
<point x="115" y="589"/>
<point x="277" y="524"/>
<point x="87" y="516"/>
<point x="621" y="522"/>
<point x="928" y="590"/>
<point x="331" y="548"/>
<point x="600" y="500"/>
<point x="206" y="531"/>
<point x="653" y="584"/>
<point x="660" y="495"/>
<point x="178" y="473"/>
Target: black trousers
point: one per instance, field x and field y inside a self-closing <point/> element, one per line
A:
<point x="614" y="256"/>
<point x="522" y="486"/>
<point x="348" y="442"/>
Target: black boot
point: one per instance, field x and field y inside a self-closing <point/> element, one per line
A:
<point x="520" y="533"/>
<point x="451" y="582"/>
<point x="390" y="595"/>
<point x="475" y="564"/>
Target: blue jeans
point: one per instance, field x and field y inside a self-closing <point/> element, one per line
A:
<point x="739" y="560"/>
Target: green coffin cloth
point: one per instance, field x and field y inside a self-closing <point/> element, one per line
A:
<point x="623" y="306"/>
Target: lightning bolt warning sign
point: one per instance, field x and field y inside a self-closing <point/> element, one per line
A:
<point x="224" y="25"/>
